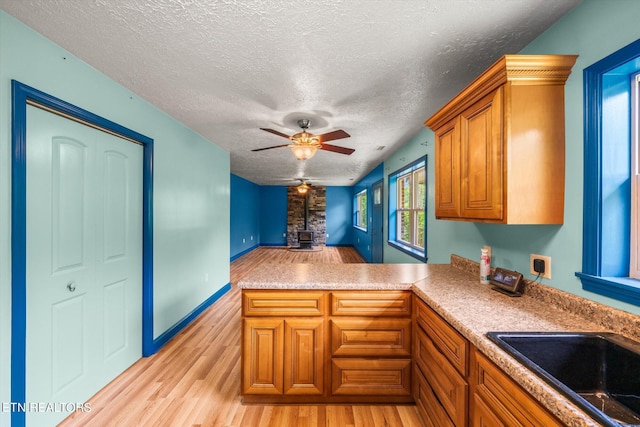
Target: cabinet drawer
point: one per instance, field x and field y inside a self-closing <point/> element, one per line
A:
<point x="282" y="303"/>
<point x="447" y="384"/>
<point x="390" y="377"/>
<point x="447" y="340"/>
<point x="373" y="337"/>
<point x="503" y="397"/>
<point x="429" y="408"/>
<point x="371" y="303"/>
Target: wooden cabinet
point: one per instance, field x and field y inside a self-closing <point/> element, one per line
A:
<point x="441" y="366"/>
<point x="499" y="144"/>
<point x="297" y="348"/>
<point x="283" y="355"/>
<point x="371" y="345"/>
<point x="499" y="401"/>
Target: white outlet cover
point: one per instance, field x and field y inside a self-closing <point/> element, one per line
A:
<point x="547" y="265"/>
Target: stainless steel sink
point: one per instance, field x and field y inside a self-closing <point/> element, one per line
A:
<point x="599" y="372"/>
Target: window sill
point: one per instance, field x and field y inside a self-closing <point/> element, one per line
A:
<point x="620" y="288"/>
<point x="419" y="255"/>
<point x="360" y="228"/>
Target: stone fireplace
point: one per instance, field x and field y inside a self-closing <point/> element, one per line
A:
<point x="306" y="217"/>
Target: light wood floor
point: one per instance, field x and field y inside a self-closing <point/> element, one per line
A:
<point x="194" y="380"/>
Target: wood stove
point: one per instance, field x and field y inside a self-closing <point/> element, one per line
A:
<point x="305" y="239"/>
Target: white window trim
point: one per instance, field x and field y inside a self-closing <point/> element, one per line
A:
<point x="360" y="221"/>
<point x="413" y="211"/>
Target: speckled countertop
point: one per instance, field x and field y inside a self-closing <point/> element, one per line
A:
<point x="334" y="276"/>
<point x="453" y="291"/>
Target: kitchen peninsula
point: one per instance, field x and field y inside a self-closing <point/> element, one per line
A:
<point x="406" y="333"/>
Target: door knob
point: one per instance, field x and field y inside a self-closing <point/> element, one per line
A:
<point x="71" y="286"/>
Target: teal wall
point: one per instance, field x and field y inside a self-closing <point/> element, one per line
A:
<point x="592" y="30"/>
<point x="191" y="181"/>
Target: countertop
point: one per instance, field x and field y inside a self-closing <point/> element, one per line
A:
<point x="335" y="276"/>
<point x="454" y="292"/>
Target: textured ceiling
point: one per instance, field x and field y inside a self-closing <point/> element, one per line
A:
<point x="376" y="69"/>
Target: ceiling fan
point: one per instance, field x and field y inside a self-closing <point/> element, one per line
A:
<point x="304" y="187"/>
<point x="305" y="144"/>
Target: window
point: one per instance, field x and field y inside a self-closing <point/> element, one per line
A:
<point x="360" y="210"/>
<point x="407" y="201"/>
<point x="610" y="235"/>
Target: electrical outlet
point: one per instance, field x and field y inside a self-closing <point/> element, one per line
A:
<point x="547" y="265"/>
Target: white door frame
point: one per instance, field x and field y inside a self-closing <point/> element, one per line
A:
<point x="23" y="95"/>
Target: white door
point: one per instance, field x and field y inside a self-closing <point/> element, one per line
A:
<point x="84" y="261"/>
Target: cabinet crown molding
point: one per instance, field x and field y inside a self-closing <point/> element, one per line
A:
<point x="513" y="69"/>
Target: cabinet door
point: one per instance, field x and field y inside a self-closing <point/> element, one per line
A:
<point x="498" y="396"/>
<point x="304" y="356"/>
<point x="481" y="163"/>
<point x="263" y="356"/>
<point x="449" y="387"/>
<point x="429" y="408"/>
<point x="483" y="416"/>
<point x="447" y="148"/>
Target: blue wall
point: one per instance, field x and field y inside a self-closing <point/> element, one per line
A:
<point x="245" y="216"/>
<point x="362" y="239"/>
<point x="259" y="216"/>
<point x="339" y="203"/>
<point x="273" y="215"/>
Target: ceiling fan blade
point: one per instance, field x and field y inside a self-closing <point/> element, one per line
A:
<point x="336" y="149"/>
<point x="336" y="134"/>
<point x="269" y="148"/>
<point x="275" y="132"/>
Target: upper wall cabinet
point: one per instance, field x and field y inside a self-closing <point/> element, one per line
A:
<point x="499" y="144"/>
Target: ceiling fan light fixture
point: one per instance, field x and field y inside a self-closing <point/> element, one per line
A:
<point x="303" y="188"/>
<point x="305" y="144"/>
<point x="303" y="151"/>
